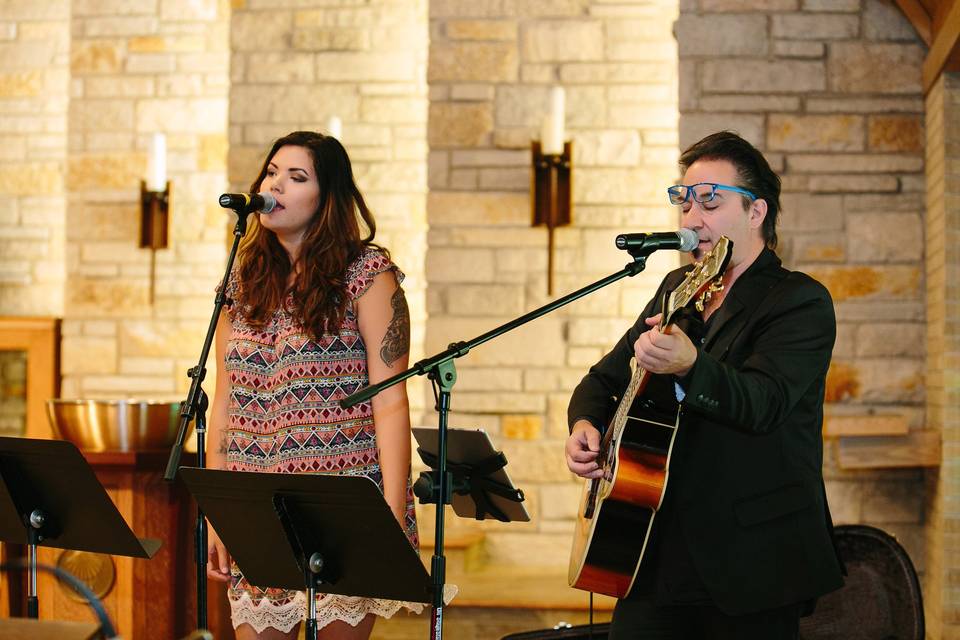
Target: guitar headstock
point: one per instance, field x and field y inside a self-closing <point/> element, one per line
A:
<point x="700" y="278"/>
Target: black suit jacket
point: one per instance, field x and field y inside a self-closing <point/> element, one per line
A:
<point x="746" y="470"/>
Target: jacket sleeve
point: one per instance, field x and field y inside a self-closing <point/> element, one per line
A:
<point x="596" y="397"/>
<point x="791" y="348"/>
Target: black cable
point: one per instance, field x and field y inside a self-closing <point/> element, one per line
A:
<point x="106" y="627"/>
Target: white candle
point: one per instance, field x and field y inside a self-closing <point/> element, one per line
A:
<point x="334" y="127"/>
<point x="157" y="163"/>
<point x="552" y="133"/>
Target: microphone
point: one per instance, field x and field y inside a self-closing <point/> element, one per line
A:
<point x="248" y="202"/>
<point x="681" y="240"/>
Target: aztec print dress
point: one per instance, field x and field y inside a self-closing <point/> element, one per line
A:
<point x="283" y="417"/>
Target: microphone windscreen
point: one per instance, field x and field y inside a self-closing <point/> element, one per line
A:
<point x="269" y="202"/>
<point x="688" y="239"/>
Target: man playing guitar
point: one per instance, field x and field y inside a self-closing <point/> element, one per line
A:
<point x="741" y="545"/>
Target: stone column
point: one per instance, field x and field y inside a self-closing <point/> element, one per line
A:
<point x="941" y="593"/>
<point x="34" y="89"/>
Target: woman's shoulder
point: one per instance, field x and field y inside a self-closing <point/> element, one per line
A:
<point x="371" y="262"/>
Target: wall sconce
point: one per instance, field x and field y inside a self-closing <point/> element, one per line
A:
<point x="155" y="204"/>
<point x="552" y="165"/>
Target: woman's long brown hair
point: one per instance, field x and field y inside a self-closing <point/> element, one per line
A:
<point x="332" y="241"/>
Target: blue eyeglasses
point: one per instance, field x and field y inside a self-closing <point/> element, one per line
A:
<point x="702" y="192"/>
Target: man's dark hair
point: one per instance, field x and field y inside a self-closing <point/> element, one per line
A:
<point x="753" y="171"/>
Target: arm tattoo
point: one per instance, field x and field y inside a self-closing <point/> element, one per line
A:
<point x="222" y="445"/>
<point x="396" y="342"/>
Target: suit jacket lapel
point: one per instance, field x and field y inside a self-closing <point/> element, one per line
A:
<point x="746" y="293"/>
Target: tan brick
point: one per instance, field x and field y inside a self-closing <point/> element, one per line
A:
<point x="889" y="339"/>
<point x="118" y="86"/>
<point x="84" y="355"/>
<point x="458" y="208"/>
<point x="896" y="133"/>
<point x="615" y="72"/>
<point x="393" y="110"/>
<point x="695" y="126"/>
<point x="105" y="171"/>
<point x="521" y="427"/>
<point x="884" y="237"/>
<point x="260" y="31"/>
<point x="473" y="62"/>
<point x="99" y="56"/>
<point x="196" y="115"/>
<point x="488" y="379"/>
<point x="798" y="49"/>
<point x="784" y="76"/>
<point x="161" y="63"/>
<point x="870" y="282"/>
<point x="865" y="105"/>
<point x="331" y="39"/>
<point x="711" y="35"/>
<point x="812" y="26"/>
<point x="31" y="178"/>
<point x="109" y="114"/>
<point x="459" y="125"/>
<point x="853" y="184"/>
<point x="481" y="29"/>
<point x="366" y="66"/>
<point x="172" y="44"/>
<point x="852" y="67"/>
<point x="22" y="84"/>
<point x="534" y="343"/>
<point x="562" y="41"/>
<point x="885" y="21"/>
<point x="750" y="5"/>
<point x="854" y="163"/>
<point x="749" y="103"/>
<point x="607" y="148"/>
<point x="815" y="133"/>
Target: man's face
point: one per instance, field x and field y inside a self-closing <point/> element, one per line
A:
<point x="725" y="214"/>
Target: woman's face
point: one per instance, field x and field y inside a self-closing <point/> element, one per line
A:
<point x="292" y="180"/>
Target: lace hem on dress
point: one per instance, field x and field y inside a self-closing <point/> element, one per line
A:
<point x="330" y="608"/>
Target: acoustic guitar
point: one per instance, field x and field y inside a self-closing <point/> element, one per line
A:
<point x="617" y="510"/>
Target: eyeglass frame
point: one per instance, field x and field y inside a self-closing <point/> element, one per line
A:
<point x="715" y="186"/>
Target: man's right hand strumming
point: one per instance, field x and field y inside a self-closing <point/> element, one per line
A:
<point x="582" y="449"/>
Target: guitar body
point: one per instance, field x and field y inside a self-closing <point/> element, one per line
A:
<point x="616" y="513"/>
<point x="617" y="510"/>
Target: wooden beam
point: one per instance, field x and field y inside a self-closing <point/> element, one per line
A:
<point x="884" y="424"/>
<point x="917" y="449"/>
<point x="943" y="55"/>
<point x="918" y="17"/>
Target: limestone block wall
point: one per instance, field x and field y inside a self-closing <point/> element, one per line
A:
<point x="34" y="46"/>
<point x="941" y="594"/>
<point x="137" y="68"/>
<point x="492" y="65"/>
<point x="294" y="65"/>
<point x="830" y="91"/>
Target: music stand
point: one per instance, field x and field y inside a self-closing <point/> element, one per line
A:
<point x="321" y="533"/>
<point x="49" y="496"/>
<point x="480" y="485"/>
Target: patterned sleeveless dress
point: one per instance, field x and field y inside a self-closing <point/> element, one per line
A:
<point x="283" y="417"/>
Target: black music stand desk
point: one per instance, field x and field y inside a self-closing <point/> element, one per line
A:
<point x="49" y="496"/>
<point x="331" y="534"/>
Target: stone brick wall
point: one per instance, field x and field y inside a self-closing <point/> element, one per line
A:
<point x="296" y="64"/>
<point x="830" y="91"/>
<point x="137" y="68"/>
<point x="941" y="594"/>
<point x="34" y="43"/>
<point x="492" y="64"/>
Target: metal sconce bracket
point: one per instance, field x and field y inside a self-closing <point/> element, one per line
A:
<point x="154" y="225"/>
<point x="552" y="195"/>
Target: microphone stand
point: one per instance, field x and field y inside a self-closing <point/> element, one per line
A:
<point x="195" y="407"/>
<point x="441" y="371"/>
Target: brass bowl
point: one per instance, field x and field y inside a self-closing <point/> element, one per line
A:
<point x="115" y="425"/>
